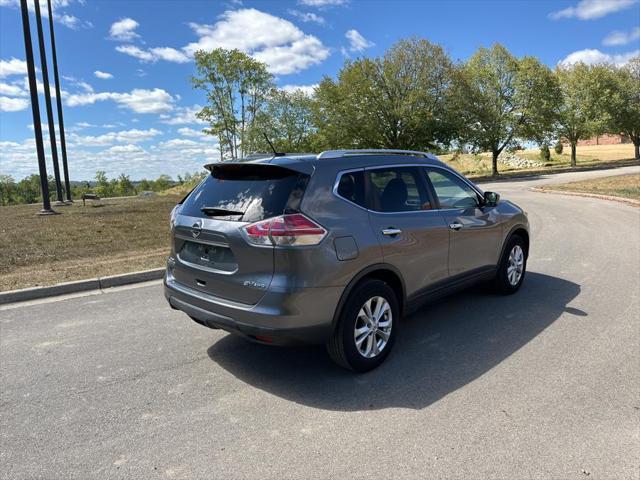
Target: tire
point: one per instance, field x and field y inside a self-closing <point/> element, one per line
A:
<point x="515" y="255"/>
<point x="343" y="347"/>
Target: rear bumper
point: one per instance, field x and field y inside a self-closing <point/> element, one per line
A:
<point x="302" y="316"/>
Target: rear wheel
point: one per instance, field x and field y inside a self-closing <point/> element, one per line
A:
<point x="366" y="328"/>
<point x="512" y="267"/>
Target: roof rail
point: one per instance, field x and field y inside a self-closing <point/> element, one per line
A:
<point x="375" y="151"/>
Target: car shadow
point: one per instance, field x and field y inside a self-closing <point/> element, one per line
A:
<point x="439" y="349"/>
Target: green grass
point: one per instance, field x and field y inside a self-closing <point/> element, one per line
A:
<point x="624" y="186"/>
<point x="104" y="238"/>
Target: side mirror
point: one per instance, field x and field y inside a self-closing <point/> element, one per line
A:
<point x="491" y="199"/>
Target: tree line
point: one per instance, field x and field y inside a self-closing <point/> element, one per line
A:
<point x="415" y="97"/>
<point x="27" y="190"/>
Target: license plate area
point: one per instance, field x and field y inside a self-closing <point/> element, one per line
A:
<point x="209" y="257"/>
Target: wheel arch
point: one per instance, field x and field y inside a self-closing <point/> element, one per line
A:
<point x="519" y="230"/>
<point x="381" y="271"/>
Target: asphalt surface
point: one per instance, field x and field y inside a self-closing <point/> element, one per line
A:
<point x="542" y="384"/>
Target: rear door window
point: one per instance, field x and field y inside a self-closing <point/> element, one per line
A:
<point x="397" y="189"/>
<point x="249" y="195"/>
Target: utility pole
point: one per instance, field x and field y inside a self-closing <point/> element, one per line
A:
<point x="47" y="99"/>
<point x="35" y="109"/>
<point x="63" y="143"/>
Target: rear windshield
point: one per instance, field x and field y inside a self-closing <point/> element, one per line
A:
<point x="250" y="195"/>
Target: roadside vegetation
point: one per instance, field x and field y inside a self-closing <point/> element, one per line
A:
<point x="623" y="186"/>
<point x="102" y="238"/>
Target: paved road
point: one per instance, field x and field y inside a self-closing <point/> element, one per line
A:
<point x="543" y="384"/>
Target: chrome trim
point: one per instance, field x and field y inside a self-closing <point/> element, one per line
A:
<point x="205" y="269"/>
<point x="199" y="240"/>
<point x="392" y="165"/>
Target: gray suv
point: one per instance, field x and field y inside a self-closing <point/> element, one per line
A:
<point x="335" y="248"/>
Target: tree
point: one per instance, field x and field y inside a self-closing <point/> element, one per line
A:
<point x="585" y="91"/>
<point x="500" y="99"/>
<point x="28" y="189"/>
<point x="624" y="106"/>
<point x="236" y="87"/>
<point x="125" y="186"/>
<point x="104" y="186"/>
<point x="7" y="189"/>
<point x="398" y="100"/>
<point x="288" y="122"/>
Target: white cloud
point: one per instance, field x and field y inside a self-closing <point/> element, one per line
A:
<point x="169" y="54"/>
<point x="193" y="133"/>
<point x="617" y="37"/>
<point x="12" y="90"/>
<point x="183" y="116"/>
<point x="592" y="9"/>
<point x="65" y="19"/>
<point x="14" y="66"/>
<point x="138" y="100"/>
<point x="170" y="157"/>
<point x="593" y="56"/>
<point x="136" y="52"/>
<point x="103" y="75"/>
<point x="270" y="39"/>
<point x="307" y="17"/>
<point x="357" y="42"/>
<point x="154" y="54"/>
<point x="124" y="136"/>
<point x="306" y="89"/>
<point x="72" y="22"/>
<point x="322" y="3"/>
<point x="124" y="29"/>
<point x="129" y="148"/>
<point x="13" y="104"/>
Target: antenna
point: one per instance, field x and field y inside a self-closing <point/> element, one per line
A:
<point x="275" y="153"/>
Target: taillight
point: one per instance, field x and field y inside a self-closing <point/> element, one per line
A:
<point x="291" y="229"/>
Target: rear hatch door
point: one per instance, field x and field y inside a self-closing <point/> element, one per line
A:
<point x="211" y="252"/>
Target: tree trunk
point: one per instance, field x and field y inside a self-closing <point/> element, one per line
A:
<point x="494" y="163"/>
<point x="573" y="154"/>
<point x="636" y="144"/>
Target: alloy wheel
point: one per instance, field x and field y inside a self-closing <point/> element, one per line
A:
<point x="373" y="327"/>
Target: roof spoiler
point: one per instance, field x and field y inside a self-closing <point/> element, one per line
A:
<point x="249" y="171"/>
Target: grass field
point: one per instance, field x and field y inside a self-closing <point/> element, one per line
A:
<point x="625" y="186"/>
<point x="104" y="238"/>
<point x="478" y="166"/>
<point x="124" y="235"/>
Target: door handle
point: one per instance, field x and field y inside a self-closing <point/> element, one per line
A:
<point x="391" y="231"/>
<point x="455" y="226"/>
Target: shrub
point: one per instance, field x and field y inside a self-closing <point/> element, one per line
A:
<point x="558" y="148"/>
<point x="545" y="154"/>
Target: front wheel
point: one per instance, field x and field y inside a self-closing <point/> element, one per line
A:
<point x="366" y="328"/>
<point x="512" y="267"/>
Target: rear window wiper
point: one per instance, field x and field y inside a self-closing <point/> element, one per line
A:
<point x="219" y="212"/>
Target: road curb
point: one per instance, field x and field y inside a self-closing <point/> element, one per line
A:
<point x="99" y="283"/>
<point x="628" y="201"/>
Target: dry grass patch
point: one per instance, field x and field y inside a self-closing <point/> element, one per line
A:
<point x="625" y="186"/>
<point x="104" y="238"/>
<point x="479" y="165"/>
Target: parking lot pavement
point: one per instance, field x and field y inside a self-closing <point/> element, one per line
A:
<point x="542" y="384"/>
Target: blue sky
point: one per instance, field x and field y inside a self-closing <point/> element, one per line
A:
<point x="128" y="103"/>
